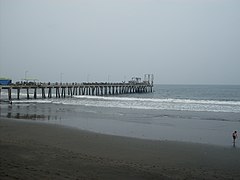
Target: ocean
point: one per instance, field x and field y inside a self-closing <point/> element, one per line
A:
<point x="171" y="97"/>
<point x="190" y="113"/>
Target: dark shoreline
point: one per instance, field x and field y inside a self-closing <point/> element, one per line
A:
<point x="43" y="151"/>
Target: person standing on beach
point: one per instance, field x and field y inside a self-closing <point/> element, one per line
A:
<point x="234" y="135"/>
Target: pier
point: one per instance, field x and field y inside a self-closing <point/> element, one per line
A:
<point x="63" y="90"/>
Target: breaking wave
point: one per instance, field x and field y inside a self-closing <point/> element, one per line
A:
<point x="164" y="104"/>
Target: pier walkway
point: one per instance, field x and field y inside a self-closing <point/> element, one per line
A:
<point x="63" y="90"/>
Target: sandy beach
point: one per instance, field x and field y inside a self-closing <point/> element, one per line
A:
<point x="33" y="150"/>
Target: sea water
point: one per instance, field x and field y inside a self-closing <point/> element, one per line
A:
<point x="192" y="113"/>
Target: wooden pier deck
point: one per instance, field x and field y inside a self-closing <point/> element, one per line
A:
<point x="63" y="90"/>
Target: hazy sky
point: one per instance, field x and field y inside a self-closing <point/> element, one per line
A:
<point x="179" y="41"/>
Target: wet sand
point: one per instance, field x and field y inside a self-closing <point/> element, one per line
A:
<point x="213" y="128"/>
<point x="33" y="150"/>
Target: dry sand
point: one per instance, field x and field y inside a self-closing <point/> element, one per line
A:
<point x="30" y="150"/>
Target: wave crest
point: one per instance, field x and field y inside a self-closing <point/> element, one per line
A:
<point x="167" y="100"/>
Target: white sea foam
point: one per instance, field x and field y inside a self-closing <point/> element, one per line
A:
<point x="168" y="100"/>
<point x="31" y="101"/>
<point x="163" y="104"/>
<point x="144" y="103"/>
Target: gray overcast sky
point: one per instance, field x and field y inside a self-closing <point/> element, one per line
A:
<point x="179" y="41"/>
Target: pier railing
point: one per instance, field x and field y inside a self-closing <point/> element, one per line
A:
<point x="63" y="90"/>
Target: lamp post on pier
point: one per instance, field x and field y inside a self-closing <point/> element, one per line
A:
<point x="88" y="77"/>
<point x="26" y="76"/>
<point x="61" y="76"/>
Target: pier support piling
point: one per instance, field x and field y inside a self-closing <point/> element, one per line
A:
<point x="10" y="94"/>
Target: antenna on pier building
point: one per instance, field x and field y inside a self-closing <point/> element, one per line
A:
<point x="148" y="79"/>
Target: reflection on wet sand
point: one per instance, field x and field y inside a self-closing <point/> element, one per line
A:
<point x="28" y="112"/>
<point x="27" y="116"/>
